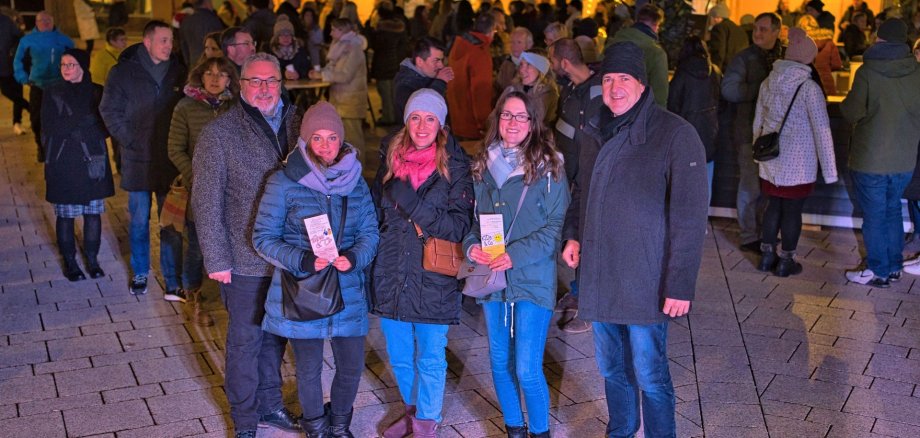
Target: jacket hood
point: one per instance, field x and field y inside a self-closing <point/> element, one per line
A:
<point x="355" y="38"/>
<point x="892" y="60"/>
<point x="779" y="87"/>
<point x="696" y="66"/>
<point x="409" y="64"/>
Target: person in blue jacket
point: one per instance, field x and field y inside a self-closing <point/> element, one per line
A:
<point x="44" y="46"/>
<point x="317" y="175"/>
<point x="520" y="153"/>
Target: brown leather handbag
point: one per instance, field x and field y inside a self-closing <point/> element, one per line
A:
<point x="440" y="256"/>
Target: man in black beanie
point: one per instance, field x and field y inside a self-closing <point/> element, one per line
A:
<point x="638" y="238"/>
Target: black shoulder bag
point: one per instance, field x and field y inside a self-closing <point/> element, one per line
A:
<point x="317" y="296"/>
<point x="766" y="147"/>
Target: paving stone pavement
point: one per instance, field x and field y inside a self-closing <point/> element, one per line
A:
<point x="808" y="356"/>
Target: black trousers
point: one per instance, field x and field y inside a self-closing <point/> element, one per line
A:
<point x="12" y="90"/>
<point x="349" y="362"/>
<point x="783" y="214"/>
<point x="253" y="369"/>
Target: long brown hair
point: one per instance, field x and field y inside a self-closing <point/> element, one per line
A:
<point x="538" y="150"/>
<point x="402" y="142"/>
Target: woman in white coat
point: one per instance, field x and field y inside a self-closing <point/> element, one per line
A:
<point x="804" y="143"/>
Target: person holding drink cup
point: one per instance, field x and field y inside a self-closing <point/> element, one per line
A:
<point x="519" y="175"/>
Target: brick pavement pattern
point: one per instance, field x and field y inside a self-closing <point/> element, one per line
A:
<point x="759" y="356"/>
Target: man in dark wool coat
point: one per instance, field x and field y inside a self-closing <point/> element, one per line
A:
<point x="636" y="226"/>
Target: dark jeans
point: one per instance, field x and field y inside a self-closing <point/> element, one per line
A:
<point x="349" y="362"/>
<point x="12" y="90"/>
<point x="35" y="117"/>
<point x="786" y="215"/>
<point x="252" y="378"/>
<point x="634" y="358"/>
<point x="879" y="197"/>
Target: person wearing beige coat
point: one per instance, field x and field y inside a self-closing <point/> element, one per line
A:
<point x="346" y="69"/>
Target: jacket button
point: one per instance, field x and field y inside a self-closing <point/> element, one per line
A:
<point x="497" y="204"/>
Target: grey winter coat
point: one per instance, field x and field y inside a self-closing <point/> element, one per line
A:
<point x="233" y="157"/>
<point x="639" y="211"/>
<point x="741" y="85"/>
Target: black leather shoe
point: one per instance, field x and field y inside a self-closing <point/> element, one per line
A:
<point x="95" y="271"/>
<point x="787" y="266"/>
<point x="281" y="419"/>
<point x="245" y="434"/>
<point x="317" y="427"/>
<point x="516" y="431"/>
<point x="767" y="261"/>
<point x="72" y="271"/>
<point x="339" y="424"/>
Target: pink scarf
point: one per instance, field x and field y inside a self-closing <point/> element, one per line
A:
<point x="415" y="165"/>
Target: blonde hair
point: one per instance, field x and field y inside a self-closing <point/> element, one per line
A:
<point x="402" y="142"/>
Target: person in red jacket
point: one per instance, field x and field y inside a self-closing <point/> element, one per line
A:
<point x="469" y="95"/>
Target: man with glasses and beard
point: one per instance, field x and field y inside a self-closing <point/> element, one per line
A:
<point x="234" y="155"/>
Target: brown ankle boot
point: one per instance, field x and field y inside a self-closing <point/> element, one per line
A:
<point x="402" y="427"/>
<point x="424" y="428"/>
<point x="198" y="314"/>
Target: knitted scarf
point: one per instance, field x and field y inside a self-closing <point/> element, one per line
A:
<point x="199" y="94"/>
<point x="416" y="165"/>
<point x="338" y="179"/>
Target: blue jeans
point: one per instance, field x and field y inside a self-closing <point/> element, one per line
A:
<point x="419" y="361"/>
<point x="252" y="376"/>
<point x="879" y="196"/>
<point x="139" y="235"/>
<point x="517" y="363"/>
<point x="634" y="358"/>
<point x="193" y="263"/>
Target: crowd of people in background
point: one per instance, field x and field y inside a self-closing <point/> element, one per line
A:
<point x="574" y="127"/>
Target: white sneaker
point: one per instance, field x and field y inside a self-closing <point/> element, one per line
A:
<point x="867" y="277"/>
<point x="17" y="129"/>
<point x="912" y="267"/>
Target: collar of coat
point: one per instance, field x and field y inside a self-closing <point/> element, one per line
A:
<point x="638" y="129"/>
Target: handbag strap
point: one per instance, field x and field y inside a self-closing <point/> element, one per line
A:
<point x="516" y="211"/>
<point x="790" y="107"/>
<point x="86" y="156"/>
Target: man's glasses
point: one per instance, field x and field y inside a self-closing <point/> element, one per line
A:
<point x="257" y="83"/>
<point x="520" y="118"/>
<point x="244" y="43"/>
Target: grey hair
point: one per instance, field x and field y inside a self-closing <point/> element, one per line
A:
<point x="261" y="57"/>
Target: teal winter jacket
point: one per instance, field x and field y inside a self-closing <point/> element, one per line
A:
<point x="535" y="240"/>
<point x="280" y="236"/>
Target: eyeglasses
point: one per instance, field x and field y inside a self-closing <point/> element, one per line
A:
<point x="257" y="83"/>
<point x="520" y="118"/>
<point x="244" y="43"/>
<point x="222" y="75"/>
<point x="69" y="65"/>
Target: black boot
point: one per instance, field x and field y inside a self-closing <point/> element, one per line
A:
<point x="516" y="431"/>
<point x="317" y="427"/>
<point x="92" y="239"/>
<point x="68" y="246"/>
<point x="767" y="257"/>
<point x="339" y="424"/>
<point x="540" y="435"/>
<point x="787" y="265"/>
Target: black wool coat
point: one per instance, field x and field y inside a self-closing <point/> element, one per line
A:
<point x="401" y="288"/>
<point x="137" y="112"/>
<point x="70" y="117"/>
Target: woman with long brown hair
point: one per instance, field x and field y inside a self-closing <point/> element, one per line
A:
<point x="519" y="174"/>
<point x="423" y="191"/>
